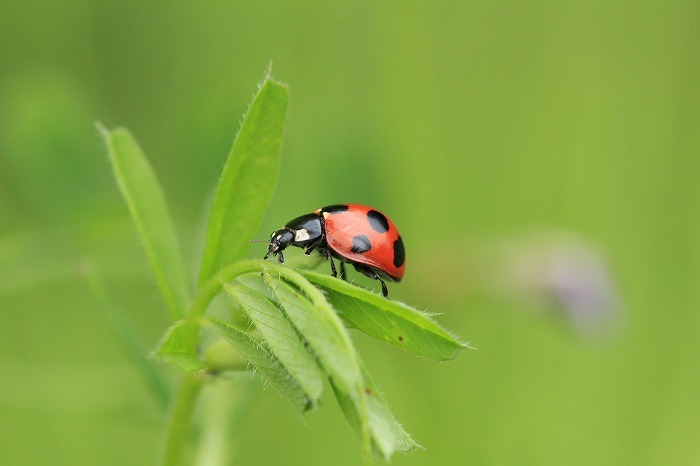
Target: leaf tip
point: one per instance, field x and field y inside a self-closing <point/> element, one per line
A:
<point x="104" y="132"/>
<point x="107" y="133"/>
<point x="268" y="79"/>
<point x="268" y="71"/>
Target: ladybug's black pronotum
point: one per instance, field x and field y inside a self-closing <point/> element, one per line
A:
<point x="352" y="233"/>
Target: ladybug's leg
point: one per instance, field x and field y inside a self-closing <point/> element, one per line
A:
<point x="328" y="256"/>
<point x="385" y="292"/>
<point x="372" y="274"/>
<point x="342" y="271"/>
<point x="311" y="248"/>
<point x="333" y="271"/>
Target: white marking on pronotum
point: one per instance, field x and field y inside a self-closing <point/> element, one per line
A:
<point x="301" y="235"/>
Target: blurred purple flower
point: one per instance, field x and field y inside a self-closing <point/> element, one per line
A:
<point x="565" y="274"/>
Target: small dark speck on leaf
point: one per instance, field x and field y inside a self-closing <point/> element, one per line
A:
<point x="400" y="337"/>
<point x="368" y="391"/>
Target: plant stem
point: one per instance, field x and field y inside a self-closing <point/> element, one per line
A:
<point x="180" y="420"/>
<point x="181" y="414"/>
<point x="213" y="286"/>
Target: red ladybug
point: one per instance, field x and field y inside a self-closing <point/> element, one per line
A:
<point x="352" y="233"/>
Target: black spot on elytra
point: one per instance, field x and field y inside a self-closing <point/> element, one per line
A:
<point x="335" y="208"/>
<point x="378" y="221"/>
<point x="399" y="253"/>
<point x="360" y="244"/>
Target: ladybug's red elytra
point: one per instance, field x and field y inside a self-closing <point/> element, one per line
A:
<point x="352" y="233"/>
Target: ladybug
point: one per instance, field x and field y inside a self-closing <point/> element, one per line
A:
<point x="351" y="233"/>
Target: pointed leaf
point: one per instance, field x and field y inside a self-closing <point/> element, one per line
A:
<point x="146" y="203"/>
<point x="388" y="320"/>
<point x="177" y="347"/>
<point x="387" y="434"/>
<point x="266" y="363"/>
<point x="324" y="331"/>
<point x="279" y="334"/>
<point x="248" y="180"/>
<point x="131" y="340"/>
<point x="318" y="324"/>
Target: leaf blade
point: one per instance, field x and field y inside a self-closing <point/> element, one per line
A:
<point x="247" y="181"/>
<point x="359" y="398"/>
<point x="387" y="320"/>
<point x="148" y="208"/>
<point x="282" y="339"/>
<point x="388" y="436"/>
<point x="323" y="330"/>
<point x="177" y="345"/>
<point x="127" y="334"/>
<point x="265" y="362"/>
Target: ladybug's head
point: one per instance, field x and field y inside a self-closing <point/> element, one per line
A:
<point x="279" y="240"/>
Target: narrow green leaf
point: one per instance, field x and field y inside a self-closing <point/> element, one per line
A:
<point x="146" y="203"/>
<point x="324" y="331"/>
<point x="177" y="347"/>
<point x="388" y="320"/>
<point x="130" y="339"/>
<point x="387" y="434"/>
<point x="247" y="181"/>
<point x="317" y="323"/>
<point x="265" y="362"/>
<point x="279" y="334"/>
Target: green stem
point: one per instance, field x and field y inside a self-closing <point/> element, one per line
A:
<point x="181" y="414"/>
<point x="216" y="283"/>
<point x="180" y="420"/>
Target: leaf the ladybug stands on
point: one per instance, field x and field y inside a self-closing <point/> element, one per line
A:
<point x="387" y="320"/>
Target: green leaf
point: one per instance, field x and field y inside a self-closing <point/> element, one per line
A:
<point x="248" y="180"/>
<point x="387" y="434"/>
<point x="255" y="281"/>
<point x="319" y="325"/>
<point x="361" y="401"/>
<point x="388" y="320"/>
<point x="177" y="347"/>
<point x="279" y="334"/>
<point x="126" y="332"/>
<point x="146" y="203"/>
<point x="266" y="363"/>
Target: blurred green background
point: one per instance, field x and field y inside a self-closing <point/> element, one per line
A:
<point x="542" y="160"/>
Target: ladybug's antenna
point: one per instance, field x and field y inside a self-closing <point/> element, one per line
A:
<point x="269" y="251"/>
